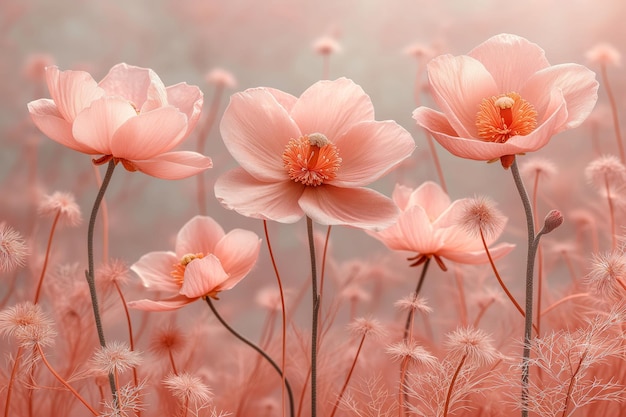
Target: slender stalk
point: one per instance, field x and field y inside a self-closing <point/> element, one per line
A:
<point x="530" y="266"/>
<point x="89" y="274"/>
<point x="18" y="356"/>
<point x="563" y="300"/>
<point x="420" y="282"/>
<point x="451" y="387"/>
<point x="433" y="153"/>
<point x="347" y="381"/>
<point x="130" y="328"/>
<point x="570" y="386"/>
<point x="463" y="305"/>
<point x="256" y="348"/>
<point x="618" y="132"/>
<point x="315" y="317"/>
<point x="105" y="219"/>
<point x="283" y="316"/>
<point x="45" y="261"/>
<point x="609" y="198"/>
<point x="62" y="381"/>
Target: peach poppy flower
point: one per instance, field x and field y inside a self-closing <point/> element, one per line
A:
<point x="504" y="99"/>
<point x="129" y="116"/>
<point x="310" y="155"/>
<point x="205" y="261"/>
<point x="429" y="226"/>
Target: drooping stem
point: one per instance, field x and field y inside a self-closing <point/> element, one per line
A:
<point x="62" y="381"/>
<point x="451" y="387"/>
<point x="420" y="282"/>
<point x="530" y="266"/>
<point x="45" y="261"/>
<point x="283" y="314"/>
<point x="347" y="381"/>
<point x="89" y="274"/>
<point x="256" y="349"/>
<point x="315" y="317"/>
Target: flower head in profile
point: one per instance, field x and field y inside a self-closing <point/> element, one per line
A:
<point x="504" y="98"/>
<point x="13" y="249"/>
<point x="205" y="262"/>
<point x="429" y="226"/>
<point x="129" y="117"/>
<point x="310" y="155"/>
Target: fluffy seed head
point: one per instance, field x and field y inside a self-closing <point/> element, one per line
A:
<point x="113" y="271"/>
<point x="326" y="45"/>
<point x="116" y="357"/>
<point x="362" y="326"/>
<point x="604" y="54"/>
<point x="474" y="344"/>
<point x="538" y="167"/>
<point x="413" y="303"/>
<point x="28" y="324"/>
<point x="188" y="388"/>
<point x="607" y="173"/>
<point x="61" y="202"/>
<point x="168" y="340"/>
<point x="480" y="215"/>
<point x="607" y="269"/>
<point x="221" y="78"/>
<point x="13" y="249"/>
<point x="409" y="349"/>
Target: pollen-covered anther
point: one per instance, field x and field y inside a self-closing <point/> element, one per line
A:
<point x="501" y="117"/>
<point x="311" y="159"/>
<point x="178" y="273"/>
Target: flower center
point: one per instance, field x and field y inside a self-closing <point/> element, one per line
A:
<point x="311" y="159"/>
<point x="501" y="117"/>
<point x="178" y="273"/>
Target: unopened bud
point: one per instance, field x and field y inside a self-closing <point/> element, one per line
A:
<point x="553" y="220"/>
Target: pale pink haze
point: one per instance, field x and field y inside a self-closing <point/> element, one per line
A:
<point x="310" y="156"/>
<point x="504" y="98"/>
<point x="429" y="226"/>
<point x="205" y="261"/>
<point x="129" y="116"/>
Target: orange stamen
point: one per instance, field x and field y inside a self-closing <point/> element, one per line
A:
<point x="501" y="117"/>
<point x="178" y="273"/>
<point x="311" y="159"/>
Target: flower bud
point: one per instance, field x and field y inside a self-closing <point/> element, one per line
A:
<point x="553" y="220"/>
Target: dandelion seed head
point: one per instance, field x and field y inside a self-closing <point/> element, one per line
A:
<point x="116" y="357"/>
<point x="188" y="388"/>
<point x="28" y="324"/>
<point x="113" y="271"/>
<point x="474" y="344"/>
<point x="480" y="214"/>
<point x="13" y="249"/>
<point x="606" y="172"/>
<point x="409" y="349"/>
<point x="538" y="167"/>
<point x="413" y="303"/>
<point x="604" y="54"/>
<point x="63" y="203"/>
<point x="169" y="339"/>
<point x="606" y="271"/>
<point x="363" y="326"/>
<point x="326" y="45"/>
<point x="221" y="78"/>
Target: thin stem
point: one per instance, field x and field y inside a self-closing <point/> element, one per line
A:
<point x="169" y="353"/>
<point x="283" y="316"/>
<point x="609" y="198"/>
<point x="463" y="305"/>
<point x="347" y="381"/>
<point x="454" y="377"/>
<point x="256" y="348"/>
<point x="570" y="387"/>
<point x="62" y="381"/>
<point x="45" y="261"/>
<point x="433" y="153"/>
<point x="315" y="317"/>
<point x="105" y="219"/>
<point x="482" y="311"/>
<point x="420" y="282"/>
<point x="539" y="255"/>
<point x="130" y="328"/>
<point x="89" y="274"/>
<point x="562" y="300"/>
<point x="18" y="356"/>
<point x="530" y="266"/>
<point x="618" y="132"/>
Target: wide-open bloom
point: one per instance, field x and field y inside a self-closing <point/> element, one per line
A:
<point x="503" y="99"/>
<point x="429" y="226"/>
<point x="310" y="155"/>
<point x="205" y="262"/>
<point x="129" y="116"/>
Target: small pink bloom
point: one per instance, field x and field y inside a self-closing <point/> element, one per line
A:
<point x="310" y="155"/>
<point x="130" y="117"/>
<point x="504" y="99"/>
<point x="205" y="262"/>
<point x="429" y="226"/>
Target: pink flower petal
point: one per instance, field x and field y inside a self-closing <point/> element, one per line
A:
<point x="47" y="118"/>
<point x="141" y="86"/>
<point x="188" y="99"/>
<point x="579" y="87"/>
<point x="369" y="150"/>
<point x="284" y="99"/>
<point x="174" y="165"/>
<point x="149" y="134"/>
<point x="357" y="207"/>
<point x="203" y="276"/>
<point x="256" y="129"/>
<point x="431" y="197"/>
<point x="154" y="269"/>
<point x="401" y="195"/>
<point x="169" y="304"/>
<point x="238" y="251"/>
<point x="71" y="91"/>
<point x="511" y="60"/>
<point x="459" y="84"/>
<point x="332" y="107"/>
<point x="237" y="190"/>
<point x="418" y="231"/>
<point x="96" y="125"/>
<point x="198" y="235"/>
